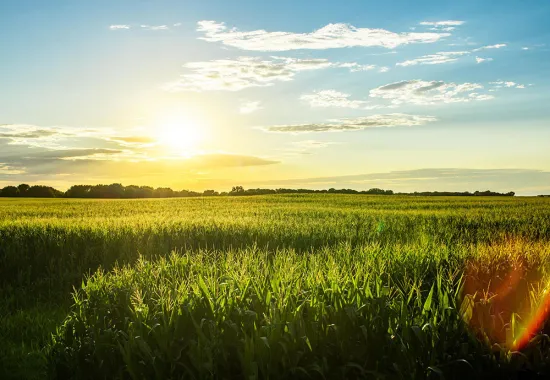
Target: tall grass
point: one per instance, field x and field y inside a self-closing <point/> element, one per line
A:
<point x="286" y="286"/>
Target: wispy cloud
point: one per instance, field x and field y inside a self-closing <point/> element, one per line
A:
<point x="434" y="59"/>
<point x="307" y="146"/>
<point x="27" y="150"/>
<point x="328" y="37"/>
<point x="421" y="92"/>
<point x="354" y="66"/>
<point x="250" y="107"/>
<point x="133" y="140"/>
<point x="506" y="84"/>
<point x="448" y="56"/>
<point x="481" y="60"/>
<point x="312" y="144"/>
<point x="442" y="23"/>
<point x="155" y="27"/>
<point x="489" y="47"/>
<point x="243" y="72"/>
<point x="6" y="170"/>
<point x="119" y="27"/>
<point x="442" y="26"/>
<point x="354" y="124"/>
<point x="332" y="98"/>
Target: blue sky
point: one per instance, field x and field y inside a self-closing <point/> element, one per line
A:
<point x="426" y="95"/>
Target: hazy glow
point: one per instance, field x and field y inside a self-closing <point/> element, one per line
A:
<point x="180" y="135"/>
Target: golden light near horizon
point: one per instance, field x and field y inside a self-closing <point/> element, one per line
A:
<point x="180" y="134"/>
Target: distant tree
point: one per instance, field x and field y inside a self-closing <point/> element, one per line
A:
<point x="78" y="191"/>
<point x="115" y="190"/>
<point x="163" y="192"/>
<point x="131" y="191"/>
<point x="10" y="191"/>
<point x="23" y="188"/>
<point x="210" y="193"/>
<point x="146" y="192"/>
<point x="237" y="190"/>
<point x="42" y="192"/>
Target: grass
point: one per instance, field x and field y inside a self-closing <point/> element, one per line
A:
<point x="285" y="286"/>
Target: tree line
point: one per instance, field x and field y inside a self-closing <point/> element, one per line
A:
<point x="116" y="190"/>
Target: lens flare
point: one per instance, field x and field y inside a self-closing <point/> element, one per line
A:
<point x="534" y="323"/>
<point x="499" y="306"/>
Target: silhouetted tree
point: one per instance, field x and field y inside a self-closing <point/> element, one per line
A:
<point x="23" y="188"/>
<point x="163" y="192"/>
<point x="78" y="191"/>
<point x="210" y="193"/>
<point x="10" y="191"/>
<point x="117" y="190"/>
<point x="42" y="192"/>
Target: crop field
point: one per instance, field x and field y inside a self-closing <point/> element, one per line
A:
<point x="275" y="287"/>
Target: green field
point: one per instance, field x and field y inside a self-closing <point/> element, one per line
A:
<point x="284" y="286"/>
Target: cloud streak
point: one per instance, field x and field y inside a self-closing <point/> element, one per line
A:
<point x="330" y="36"/>
<point x="421" y="92"/>
<point x="354" y="124"/>
<point x="28" y="151"/>
<point x="119" y="27"/>
<point x="332" y="98"/>
<point x="434" y="59"/>
<point x="448" y="56"/>
<point x="526" y="181"/>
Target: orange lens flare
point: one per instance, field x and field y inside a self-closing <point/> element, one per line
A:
<point x="534" y="324"/>
<point x="498" y="305"/>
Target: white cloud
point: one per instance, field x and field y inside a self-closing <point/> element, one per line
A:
<point x="448" y="56"/>
<point x="480" y="60"/>
<point x="249" y="107"/>
<point x="244" y="72"/>
<point x="497" y="46"/>
<point x="428" y="92"/>
<point x="354" y="66"/>
<point x="332" y="98"/>
<point x="442" y="23"/>
<point x="355" y="124"/>
<point x="328" y="37"/>
<point x="442" y="26"/>
<point x="119" y="27"/>
<point x="434" y="59"/>
<point x="155" y="27"/>
<point x="507" y="84"/>
<point x="383" y="69"/>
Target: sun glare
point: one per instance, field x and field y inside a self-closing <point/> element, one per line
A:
<point x="180" y="135"/>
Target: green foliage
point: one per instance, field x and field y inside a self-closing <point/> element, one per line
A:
<point x="282" y="286"/>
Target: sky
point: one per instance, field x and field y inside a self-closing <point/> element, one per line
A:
<point x="409" y="96"/>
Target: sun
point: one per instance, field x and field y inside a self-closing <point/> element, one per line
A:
<point x="180" y="135"/>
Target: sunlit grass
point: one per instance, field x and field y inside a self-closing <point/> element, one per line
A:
<point x="287" y="286"/>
